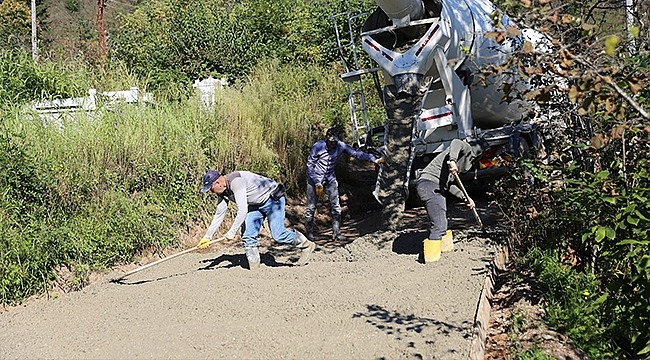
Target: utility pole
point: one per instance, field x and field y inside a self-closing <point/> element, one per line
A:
<point x="34" y="49"/>
<point x="101" y="32"/>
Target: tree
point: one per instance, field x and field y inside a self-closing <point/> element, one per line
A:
<point x="15" y="25"/>
<point x="185" y="40"/>
<point x="590" y="205"/>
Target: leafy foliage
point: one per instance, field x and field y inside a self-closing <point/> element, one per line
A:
<point x="15" y="25"/>
<point x="588" y="209"/>
<point x="172" y="41"/>
<point x="22" y="80"/>
<point x="596" y="227"/>
<point x="571" y="306"/>
<point x="20" y="203"/>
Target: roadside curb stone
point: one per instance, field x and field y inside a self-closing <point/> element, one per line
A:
<point x="482" y="317"/>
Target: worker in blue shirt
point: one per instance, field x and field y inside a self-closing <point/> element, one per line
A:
<point x="321" y="178"/>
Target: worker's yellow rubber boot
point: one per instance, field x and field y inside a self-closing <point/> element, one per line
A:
<point x="447" y="242"/>
<point x="432" y="250"/>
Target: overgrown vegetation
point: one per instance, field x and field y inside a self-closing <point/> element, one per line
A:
<point x="22" y="80"/>
<point x="101" y="189"/>
<point x="170" y="41"/>
<point x="587" y="217"/>
<point x="15" y="25"/>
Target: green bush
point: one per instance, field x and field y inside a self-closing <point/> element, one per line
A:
<point x="72" y="5"/>
<point x="22" y="80"/>
<point x="589" y="232"/>
<point x="25" y="260"/>
<point x="170" y="41"/>
<point x="15" y="16"/>
<point x="572" y="302"/>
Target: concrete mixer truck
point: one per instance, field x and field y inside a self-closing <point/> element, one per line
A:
<point x="426" y="59"/>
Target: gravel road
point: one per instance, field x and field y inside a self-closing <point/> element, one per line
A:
<point x="369" y="299"/>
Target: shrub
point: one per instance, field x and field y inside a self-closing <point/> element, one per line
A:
<point x="22" y="80"/>
<point x="168" y="40"/>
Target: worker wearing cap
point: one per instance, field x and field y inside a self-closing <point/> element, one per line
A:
<point x="257" y="197"/>
<point x="434" y="183"/>
<point x="321" y="178"/>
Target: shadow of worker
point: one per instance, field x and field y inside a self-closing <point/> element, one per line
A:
<point x="410" y="244"/>
<point x="228" y="261"/>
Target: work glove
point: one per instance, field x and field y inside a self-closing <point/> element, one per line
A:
<point x="319" y="190"/>
<point x="380" y="161"/>
<point x="203" y="244"/>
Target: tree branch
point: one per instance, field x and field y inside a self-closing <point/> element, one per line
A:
<point x="617" y="88"/>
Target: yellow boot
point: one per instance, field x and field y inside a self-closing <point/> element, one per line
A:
<point x="432" y="250"/>
<point x="447" y="242"/>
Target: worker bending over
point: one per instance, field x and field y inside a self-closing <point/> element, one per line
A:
<point x="435" y="181"/>
<point x="257" y="197"/>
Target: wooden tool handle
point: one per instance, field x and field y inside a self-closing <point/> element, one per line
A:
<point x="165" y="259"/>
<point x="462" y="188"/>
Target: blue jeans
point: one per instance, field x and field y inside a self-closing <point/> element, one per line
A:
<point x="436" y="204"/>
<point x="274" y="212"/>
<point x="332" y="190"/>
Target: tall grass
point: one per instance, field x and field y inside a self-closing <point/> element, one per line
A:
<point x="100" y="189"/>
<point x="271" y="121"/>
<point x="22" y="80"/>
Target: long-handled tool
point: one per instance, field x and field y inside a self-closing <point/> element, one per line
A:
<point x="462" y="188"/>
<point x="186" y="251"/>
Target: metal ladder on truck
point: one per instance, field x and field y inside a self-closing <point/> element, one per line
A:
<point x="348" y="49"/>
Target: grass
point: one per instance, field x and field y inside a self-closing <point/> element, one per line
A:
<point x="102" y="189"/>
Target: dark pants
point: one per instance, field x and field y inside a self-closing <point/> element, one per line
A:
<point x="436" y="204"/>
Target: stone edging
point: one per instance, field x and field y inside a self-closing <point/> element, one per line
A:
<point x="482" y="316"/>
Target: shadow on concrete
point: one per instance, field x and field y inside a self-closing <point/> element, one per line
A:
<point x="409" y="243"/>
<point x="400" y="325"/>
<point x="239" y="260"/>
<point x="395" y="323"/>
<point x="123" y="281"/>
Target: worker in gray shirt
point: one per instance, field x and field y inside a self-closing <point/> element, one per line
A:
<point x="257" y="197"/>
<point x="435" y="181"/>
